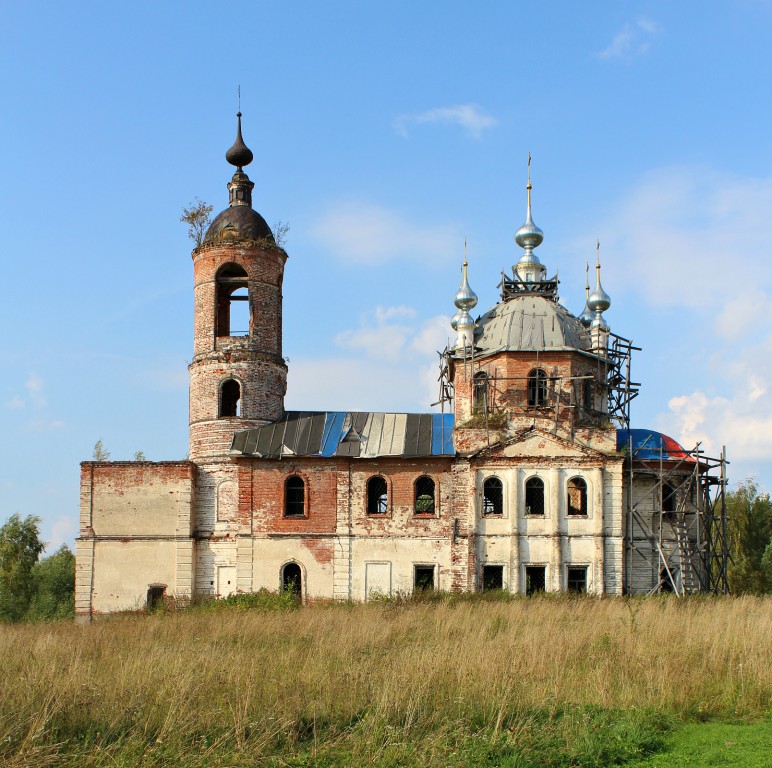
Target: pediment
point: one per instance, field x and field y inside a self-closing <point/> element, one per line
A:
<point x="537" y="442"/>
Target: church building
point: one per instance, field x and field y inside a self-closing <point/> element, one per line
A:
<point x="528" y="479"/>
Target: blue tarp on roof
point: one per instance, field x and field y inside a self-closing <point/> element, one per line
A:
<point x="648" y="445"/>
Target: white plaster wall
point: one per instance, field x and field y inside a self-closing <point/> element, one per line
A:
<point x="271" y="554"/>
<point x="123" y="571"/>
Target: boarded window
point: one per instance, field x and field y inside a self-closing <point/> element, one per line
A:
<point x="493" y="496"/>
<point x="295" y="497"/>
<point x="377" y="496"/>
<point x="423" y="578"/>
<point x="535" y="579"/>
<point x="538" y="393"/>
<point x="424" y="496"/>
<point x="576" y="580"/>
<point x="230" y="399"/>
<point x="492" y="577"/>
<point x="577" y="497"/>
<point x="232" y="301"/>
<point x="534" y="496"/>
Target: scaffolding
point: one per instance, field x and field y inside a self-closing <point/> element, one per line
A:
<point x="675" y="522"/>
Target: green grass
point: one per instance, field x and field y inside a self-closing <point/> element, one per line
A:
<point x="704" y="745"/>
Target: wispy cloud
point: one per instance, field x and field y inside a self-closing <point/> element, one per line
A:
<point x="389" y="364"/>
<point x="697" y="241"/>
<point x="366" y="233"/>
<point x="634" y="39"/>
<point x="471" y="117"/>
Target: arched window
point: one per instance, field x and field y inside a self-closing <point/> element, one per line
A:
<point x="669" y="499"/>
<point x="493" y="496"/>
<point x="230" y="398"/>
<point x="377" y="496"/>
<point x="292" y="579"/>
<point x="232" y="301"/>
<point x="534" y="496"/>
<point x="577" y="497"/>
<point x="295" y="497"/>
<point x="480" y="393"/>
<point x="424" y="495"/>
<point x="538" y="394"/>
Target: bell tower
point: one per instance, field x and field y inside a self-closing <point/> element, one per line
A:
<point x="238" y="376"/>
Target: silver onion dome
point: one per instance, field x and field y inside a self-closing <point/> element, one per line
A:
<point x="466" y="298"/>
<point x="598" y="300"/>
<point x="587" y="315"/>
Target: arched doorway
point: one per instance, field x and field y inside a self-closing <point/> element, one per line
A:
<point x="292" y="579"/>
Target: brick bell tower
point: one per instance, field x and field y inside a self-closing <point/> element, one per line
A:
<point x="238" y="376"/>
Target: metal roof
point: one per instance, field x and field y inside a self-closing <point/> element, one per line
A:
<point x="347" y="433"/>
<point x="648" y="444"/>
<point x="530" y="323"/>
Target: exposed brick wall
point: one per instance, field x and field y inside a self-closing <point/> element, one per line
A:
<point x="255" y="361"/>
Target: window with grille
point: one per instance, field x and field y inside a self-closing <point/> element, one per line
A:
<point x="576" y="580"/>
<point x="493" y="497"/>
<point x="534" y="496"/>
<point x="424" y="496"/>
<point x="492" y="577"/>
<point x="535" y="579"/>
<point x="295" y="497"/>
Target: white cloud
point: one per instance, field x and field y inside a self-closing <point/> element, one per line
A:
<point x="689" y="237"/>
<point x="393" y="366"/>
<point x="365" y="233"/>
<point x="15" y="403"/>
<point x="632" y="40"/>
<point x="471" y="117"/>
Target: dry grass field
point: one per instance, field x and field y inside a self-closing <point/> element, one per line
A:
<point x="451" y="681"/>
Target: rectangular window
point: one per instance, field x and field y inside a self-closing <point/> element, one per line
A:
<point x="423" y="578"/>
<point x="535" y="579"/>
<point x="492" y="577"/>
<point x="577" y="579"/>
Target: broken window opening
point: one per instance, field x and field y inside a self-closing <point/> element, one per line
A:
<point x="377" y="496"/>
<point x="480" y="392"/>
<point x="492" y="577"/>
<point x="230" y="399"/>
<point x="295" y="497"/>
<point x="423" y="578"/>
<point x="538" y="392"/>
<point x="577" y="497"/>
<point x="424" y="496"/>
<point x="155" y="597"/>
<point x="493" y="496"/>
<point x="669" y="499"/>
<point x="233" y="314"/>
<point x="292" y="579"/>
<point x="576" y="579"/>
<point x="534" y="496"/>
<point x="587" y="395"/>
<point x="535" y="579"/>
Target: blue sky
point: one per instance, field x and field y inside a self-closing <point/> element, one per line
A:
<point x="384" y="134"/>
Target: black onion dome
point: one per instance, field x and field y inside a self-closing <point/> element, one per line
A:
<point x="239" y="154"/>
<point x="239" y="222"/>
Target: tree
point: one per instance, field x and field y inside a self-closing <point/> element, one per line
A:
<point x="100" y="454"/>
<point x="197" y="217"/>
<point x="54" y="585"/>
<point x="140" y="456"/>
<point x="20" y="547"/>
<point x="280" y="231"/>
<point x="749" y="528"/>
